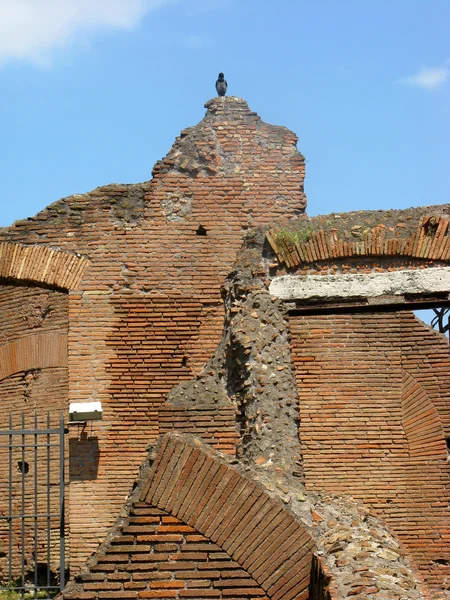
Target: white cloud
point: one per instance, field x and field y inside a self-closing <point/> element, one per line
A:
<point x="32" y="30"/>
<point x="429" y="78"/>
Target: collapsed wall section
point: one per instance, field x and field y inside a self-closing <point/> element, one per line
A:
<point x="372" y="382"/>
<point x="147" y="313"/>
<point x="198" y="526"/>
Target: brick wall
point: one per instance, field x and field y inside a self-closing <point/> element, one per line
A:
<point x="26" y="310"/>
<point x="142" y="266"/>
<point x="216" y="426"/>
<point x="147" y="311"/>
<point x="370" y="389"/>
<point x="426" y="357"/>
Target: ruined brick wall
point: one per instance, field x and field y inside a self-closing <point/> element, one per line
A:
<point x="33" y="378"/>
<point x="197" y="526"/>
<point x="143" y="313"/>
<point x="147" y="313"/>
<point x="372" y="387"/>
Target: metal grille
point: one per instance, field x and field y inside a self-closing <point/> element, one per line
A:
<point x="32" y="508"/>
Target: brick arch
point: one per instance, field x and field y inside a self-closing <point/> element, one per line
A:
<point x="41" y="265"/>
<point x="429" y="242"/>
<point x="41" y="351"/>
<point x="193" y="485"/>
<point x="421" y="422"/>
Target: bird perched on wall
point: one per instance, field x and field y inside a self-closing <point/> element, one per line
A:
<point x="221" y="85"/>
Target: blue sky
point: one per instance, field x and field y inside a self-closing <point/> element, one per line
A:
<point x="95" y="91"/>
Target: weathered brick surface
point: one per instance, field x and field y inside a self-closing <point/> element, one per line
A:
<point x="32" y="352"/>
<point x="217" y="425"/>
<point x="143" y="265"/>
<point x="372" y="391"/>
<point x="26" y="310"/>
<point x="426" y="412"/>
<point x="282" y="549"/>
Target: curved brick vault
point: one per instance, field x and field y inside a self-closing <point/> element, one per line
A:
<point x="190" y="492"/>
<point x="41" y="265"/>
<point x="234" y="513"/>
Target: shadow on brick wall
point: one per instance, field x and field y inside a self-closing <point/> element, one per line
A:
<point x="84" y="455"/>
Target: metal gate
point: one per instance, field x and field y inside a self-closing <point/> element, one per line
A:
<point x="32" y="560"/>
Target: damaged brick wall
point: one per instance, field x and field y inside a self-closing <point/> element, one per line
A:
<point x="251" y="370"/>
<point x="250" y="379"/>
<point x="403" y="237"/>
<point x="159" y="253"/>
<point x="147" y="314"/>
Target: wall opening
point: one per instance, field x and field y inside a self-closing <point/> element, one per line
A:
<point x="201" y="230"/>
<point x="23" y="466"/>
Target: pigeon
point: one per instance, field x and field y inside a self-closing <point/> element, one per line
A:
<point x="221" y="85"/>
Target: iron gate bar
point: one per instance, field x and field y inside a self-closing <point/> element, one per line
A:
<point x="10" y="498"/>
<point x="36" y="516"/>
<point x="29" y="445"/>
<point x="35" y="503"/>
<point x="42" y="516"/>
<point x="61" y="505"/>
<point x="48" y="500"/>
<point x="23" y="500"/>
